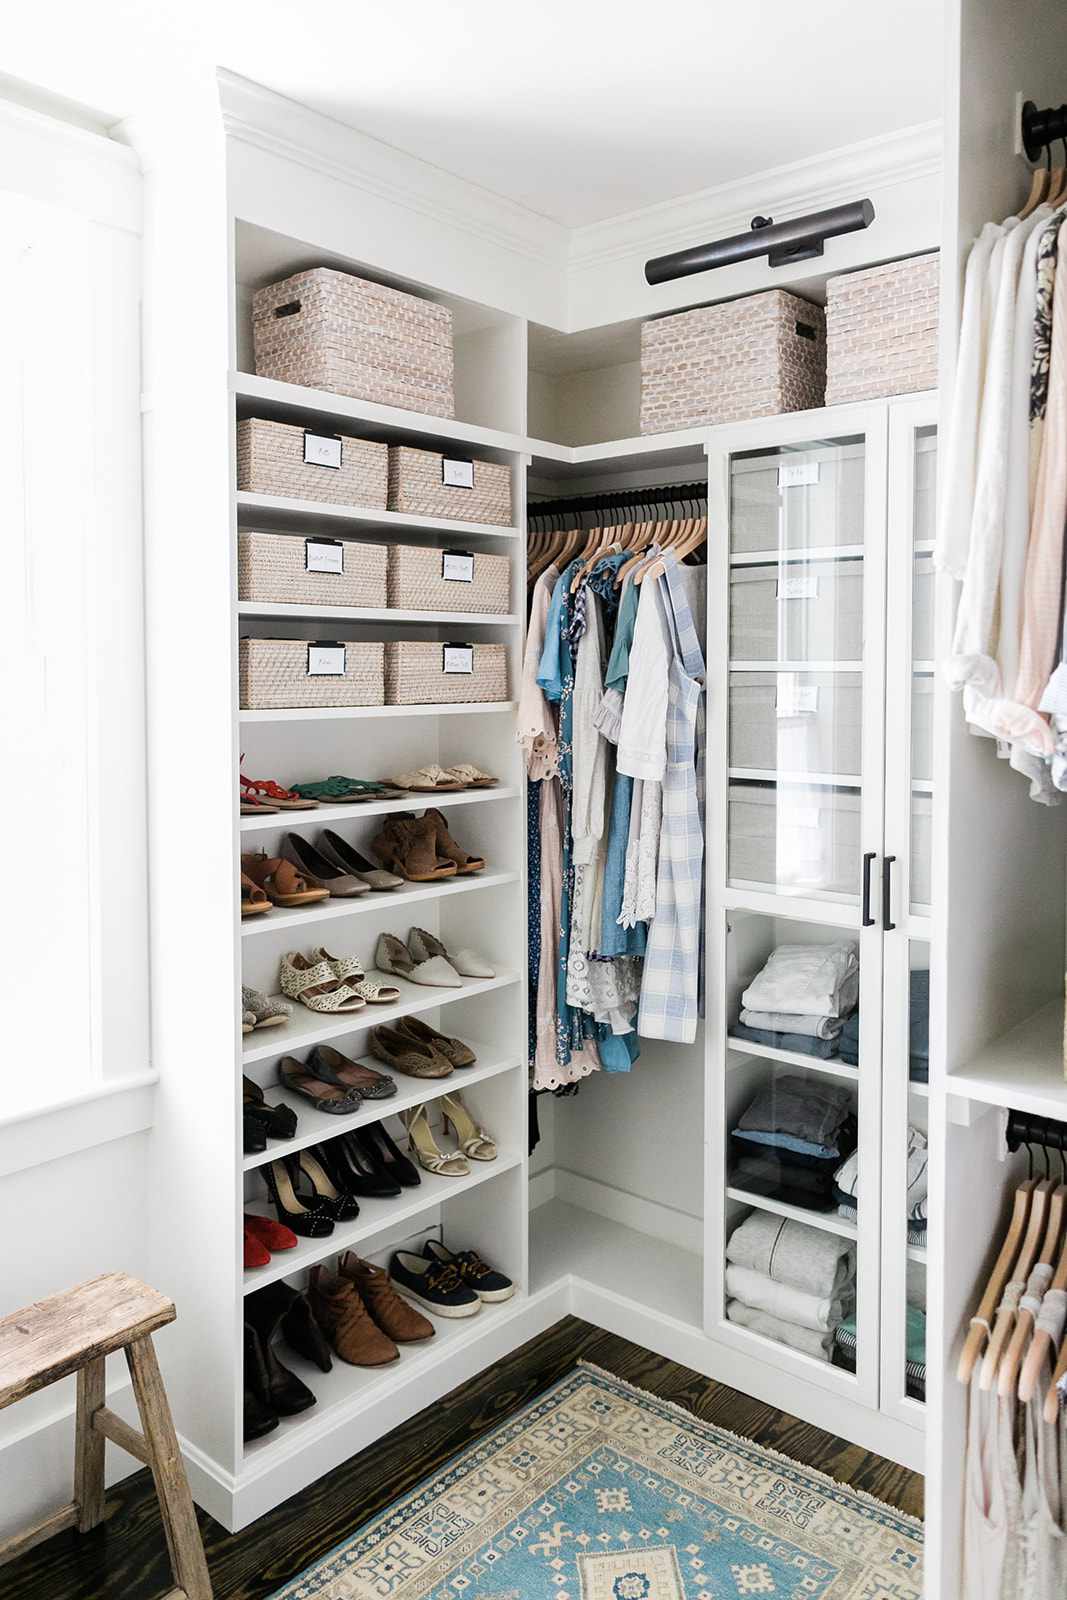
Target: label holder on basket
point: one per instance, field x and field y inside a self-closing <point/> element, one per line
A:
<point x="457" y="658"/>
<point x="457" y="472"/>
<point x="457" y="566"/>
<point x="326" y="658"/>
<point x="323" y="450"/>
<point x="324" y="555"/>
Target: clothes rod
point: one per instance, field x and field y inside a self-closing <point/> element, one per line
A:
<point x="655" y="494"/>
<point x="1042" y="128"/>
<point x="782" y="243"/>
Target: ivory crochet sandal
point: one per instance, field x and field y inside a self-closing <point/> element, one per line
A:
<point x="423" y="947"/>
<point x="350" y="971"/>
<point x="448" y="1164"/>
<point x="314" y="985"/>
<point x="392" y="955"/>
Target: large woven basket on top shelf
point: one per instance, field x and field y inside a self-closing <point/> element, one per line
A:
<point x="416" y="675"/>
<point x="417" y="486"/>
<point x="275" y="674"/>
<point x="881" y="330"/>
<point x="331" y="330"/>
<point x="754" y="357"/>
<point x="272" y="458"/>
<point x="425" y="579"/>
<point x="274" y="567"/>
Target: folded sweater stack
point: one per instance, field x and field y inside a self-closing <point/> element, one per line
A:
<point x="801" y="998"/>
<point x="918" y="1030"/>
<point x="792" y="1138"/>
<point x="846" y="1187"/>
<point x="789" y="1282"/>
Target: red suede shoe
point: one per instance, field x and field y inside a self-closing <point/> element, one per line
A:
<point x="275" y="1235"/>
<point x="256" y="1254"/>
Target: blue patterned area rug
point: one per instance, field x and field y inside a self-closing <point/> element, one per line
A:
<point x="599" y="1491"/>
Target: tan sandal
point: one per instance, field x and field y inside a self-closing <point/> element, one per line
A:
<point x="253" y="900"/>
<point x="282" y="882"/>
<point x="472" y="777"/>
<point x="427" y="780"/>
<point x="410" y="848"/>
<point x="448" y="1164"/>
<point x="470" y="1136"/>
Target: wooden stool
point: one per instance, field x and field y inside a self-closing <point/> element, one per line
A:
<point x="73" y="1332"/>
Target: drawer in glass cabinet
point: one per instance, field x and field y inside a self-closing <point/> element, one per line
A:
<point x="797" y="498"/>
<point x="797" y="611"/>
<point x="796" y="722"/>
<point x="794" y="837"/>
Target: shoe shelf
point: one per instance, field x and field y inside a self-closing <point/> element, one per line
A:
<point x="828" y="1221"/>
<point x="292" y="821"/>
<point x="292" y="402"/>
<point x="306" y="1028"/>
<point x="832" y="1067"/>
<point x="346" y="1390"/>
<point x="374" y="1216"/>
<point x="313" y="613"/>
<point x="619" y="1260"/>
<point x="324" y="713"/>
<point x="315" y="1127"/>
<point x="334" y="910"/>
<point x="269" y="513"/>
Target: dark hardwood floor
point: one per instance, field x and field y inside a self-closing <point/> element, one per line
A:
<point x="126" y="1557"/>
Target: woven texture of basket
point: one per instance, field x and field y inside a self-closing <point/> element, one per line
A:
<point x="881" y="330"/>
<point x="419" y="580"/>
<point x="415" y="674"/>
<point x="270" y="460"/>
<point x="417" y="486"/>
<point x="274" y="674"/>
<point x="331" y="330"/>
<point x="274" y="567"/>
<point x="754" y="357"/>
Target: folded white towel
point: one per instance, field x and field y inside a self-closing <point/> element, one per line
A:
<point x="811" y="1343"/>
<point x="782" y="1300"/>
<point x="814" y="980"/>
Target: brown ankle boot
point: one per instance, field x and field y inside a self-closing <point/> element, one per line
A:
<point x="409" y="847"/>
<point x="347" y="1323"/>
<point x="395" y="1316"/>
<point x="447" y="846"/>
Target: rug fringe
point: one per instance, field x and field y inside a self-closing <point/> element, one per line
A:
<point x="690" y="1418"/>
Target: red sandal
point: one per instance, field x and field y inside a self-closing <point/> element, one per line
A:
<point x="263" y="794"/>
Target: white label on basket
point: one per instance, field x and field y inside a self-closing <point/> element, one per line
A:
<point x="326" y="660"/>
<point x="802" y="472"/>
<point x="458" y="658"/>
<point x="457" y="474"/>
<point x="795" y="700"/>
<point x="803" y="818"/>
<point x="805" y="587"/>
<point x="324" y="555"/>
<point x="457" y="566"/>
<point x="322" y="451"/>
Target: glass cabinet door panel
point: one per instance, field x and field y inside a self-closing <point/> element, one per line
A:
<point x="794" y="837"/>
<point x="797" y="498"/>
<point x="796" y="723"/>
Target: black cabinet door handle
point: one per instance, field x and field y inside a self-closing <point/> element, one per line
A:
<point x="868" y="920"/>
<point x="887" y="879"/>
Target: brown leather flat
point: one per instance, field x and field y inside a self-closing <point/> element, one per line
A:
<point x="409" y="1056"/>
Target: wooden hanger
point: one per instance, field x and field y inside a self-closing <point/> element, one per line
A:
<point x="1041" y="1344"/>
<point x="1012" y="1358"/>
<point x="981" y="1322"/>
<point x="1057" y="183"/>
<point x="1005" y="1320"/>
<point x="643" y="537"/>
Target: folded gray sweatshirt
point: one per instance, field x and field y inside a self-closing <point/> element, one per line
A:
<point x="821" y="1263"/>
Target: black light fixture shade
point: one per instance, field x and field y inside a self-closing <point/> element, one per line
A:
<point x="781" y="242"/>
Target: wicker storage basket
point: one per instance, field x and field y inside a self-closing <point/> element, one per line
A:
<point x="796" y="722"/>
<point x="278" y="458"/>
<point x="769" y="512"/>
<point x="419" y="483"/>
<point x="881" y="330"/>
<point x="746" y="358"/>
<point x="810" y="612"/>
<point x="424" y="579"/>
<point x="331" y="330"/>
<point x="800" y="839"/>
<point x="276" y="673"/>
<point x="308" y="572"/>
<point x="425" y="672"/>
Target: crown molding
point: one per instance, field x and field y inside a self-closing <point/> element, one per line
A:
<point x="291" y="132"/>
<point x="786" y="191"/>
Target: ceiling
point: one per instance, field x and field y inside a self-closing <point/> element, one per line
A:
<point x="578" y="110"/>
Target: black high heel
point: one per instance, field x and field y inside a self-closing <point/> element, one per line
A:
<point x="359" y="1173"/>
<point x="380" y="1148"/>
<point x="334" y="1199"/>
<point x="309" y="1220"/>
<point x="253" y="1135"/>
<point x="280" y="1306"/>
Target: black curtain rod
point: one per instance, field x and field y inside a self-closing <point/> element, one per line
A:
<point x="651" y="496"/>
<point x="1025" y="1128"/>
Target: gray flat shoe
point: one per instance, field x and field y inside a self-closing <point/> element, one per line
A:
<point x="343" y="855"/>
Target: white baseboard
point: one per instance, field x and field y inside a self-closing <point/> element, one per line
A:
<point x="542" y="1188"/>
<point x="644" y="1216"/>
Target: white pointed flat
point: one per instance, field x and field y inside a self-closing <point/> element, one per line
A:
<point x="436" y="972"/>
<point x="424" y="947"/>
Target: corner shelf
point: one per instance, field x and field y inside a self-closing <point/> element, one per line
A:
<point x="291" y="821"/>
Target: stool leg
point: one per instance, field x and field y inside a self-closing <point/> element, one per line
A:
<point x="172" y="1487"/>
<point x="89" y="1447"/>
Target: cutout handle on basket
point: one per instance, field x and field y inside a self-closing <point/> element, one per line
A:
<point x="290" y="309"/>
<point x="805" y="330"/>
